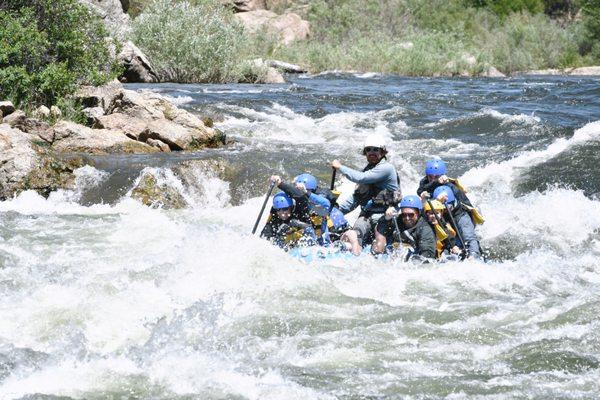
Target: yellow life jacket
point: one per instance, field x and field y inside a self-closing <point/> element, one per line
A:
<point x="442" y="234"/>
<point x="317" y="223"/>
<point x="475" y="214"/>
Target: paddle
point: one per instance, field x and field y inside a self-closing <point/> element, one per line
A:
<point x="263" y="206"/>
<point x="453" y="223"/>
<point x="333" y="179"/>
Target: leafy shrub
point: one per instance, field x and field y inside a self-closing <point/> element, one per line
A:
<point x="190" y="42"/>
<point x="48" y="48"/>
<point x="591" y="42"/>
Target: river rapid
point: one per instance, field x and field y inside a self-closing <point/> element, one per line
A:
<point x="103" y="298"/>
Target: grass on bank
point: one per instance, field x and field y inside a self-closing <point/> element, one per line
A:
<point x="414" y="37"/>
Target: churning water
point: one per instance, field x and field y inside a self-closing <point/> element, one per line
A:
<point x="103" y="298"/>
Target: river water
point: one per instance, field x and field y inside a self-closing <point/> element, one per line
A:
<point x="103" y="298"/>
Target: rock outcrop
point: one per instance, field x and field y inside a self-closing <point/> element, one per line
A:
<point x="287" y="27"/>
<point x="113" y="13"/>
<point x="123" y="121"/>
<point x="25" y="164"/>
<point x="137" y="67"/>
<point x="70" y="137"/>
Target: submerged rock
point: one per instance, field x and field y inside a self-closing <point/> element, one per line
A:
<point x="151" y="192"/>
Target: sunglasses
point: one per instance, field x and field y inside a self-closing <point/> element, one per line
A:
<point x="372" y="149"/>
<point x="409" y="215"/>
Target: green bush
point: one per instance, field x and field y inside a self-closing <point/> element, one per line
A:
<point x="590" y="44"/>
<point x="190" y="42"/>
<point x="48" y="48"/>
<point x="526" y="42"/>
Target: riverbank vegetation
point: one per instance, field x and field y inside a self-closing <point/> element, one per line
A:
<point x="410" y="37"/>
<point x="416" y="37"/>
<point x="47" y="49"/>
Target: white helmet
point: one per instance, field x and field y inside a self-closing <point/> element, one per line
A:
<point x="374" y="140"/>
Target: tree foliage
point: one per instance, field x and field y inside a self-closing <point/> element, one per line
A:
<point x="48" y="48"/>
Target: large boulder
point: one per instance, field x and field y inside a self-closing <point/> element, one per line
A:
<point x="99" y="96"/>
<point x="25" y="165"/>
<point x="137" y="67"/>
<point x="17" y="160"/>
<point x="70" y="137"/>
<point x="113" y="13"/>
<point x="288" y="27"/>
<point x="177" y="137"/>
<point x="130" y="126"/>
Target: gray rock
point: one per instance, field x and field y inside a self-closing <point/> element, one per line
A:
<point x="286" y="67"/>
<point x="92" y="114"/>
<point x="131" y="126"/>
<point x="99" y="96"/>
<point x="137" y="67"/>
<point x="153" y="191"/>
<point x="492" y="72"/>
<point x="17" y="160"/>
<point x="176" y="136"/>
<point x="42" y="112"/>
<point x="113" y="14"/>
<point x="15" y="118"/>
<point x="288" y="27"/>
<point x="586" y="71"/>
<point x="55" y="112"/>
<point x="74" y="138"/>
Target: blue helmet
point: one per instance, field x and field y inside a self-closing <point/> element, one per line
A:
<point x="310" y="182"/>
<point x="411" y="201"/>
<point x="444" y="189"/>
<point x="281" y="201"/>
<point x="435" y="167"/>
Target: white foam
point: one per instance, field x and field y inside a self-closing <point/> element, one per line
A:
<point x="178" y="100"/>
<point x="280" y="123"/>
<point x="501" y="174"/>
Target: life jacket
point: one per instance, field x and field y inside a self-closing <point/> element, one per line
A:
<point x="475" y="214"/>
<point x="441" y="235"/>
<point x="374" y="200"/>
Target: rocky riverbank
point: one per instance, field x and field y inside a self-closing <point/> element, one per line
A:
<point x="42" y="153"/>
